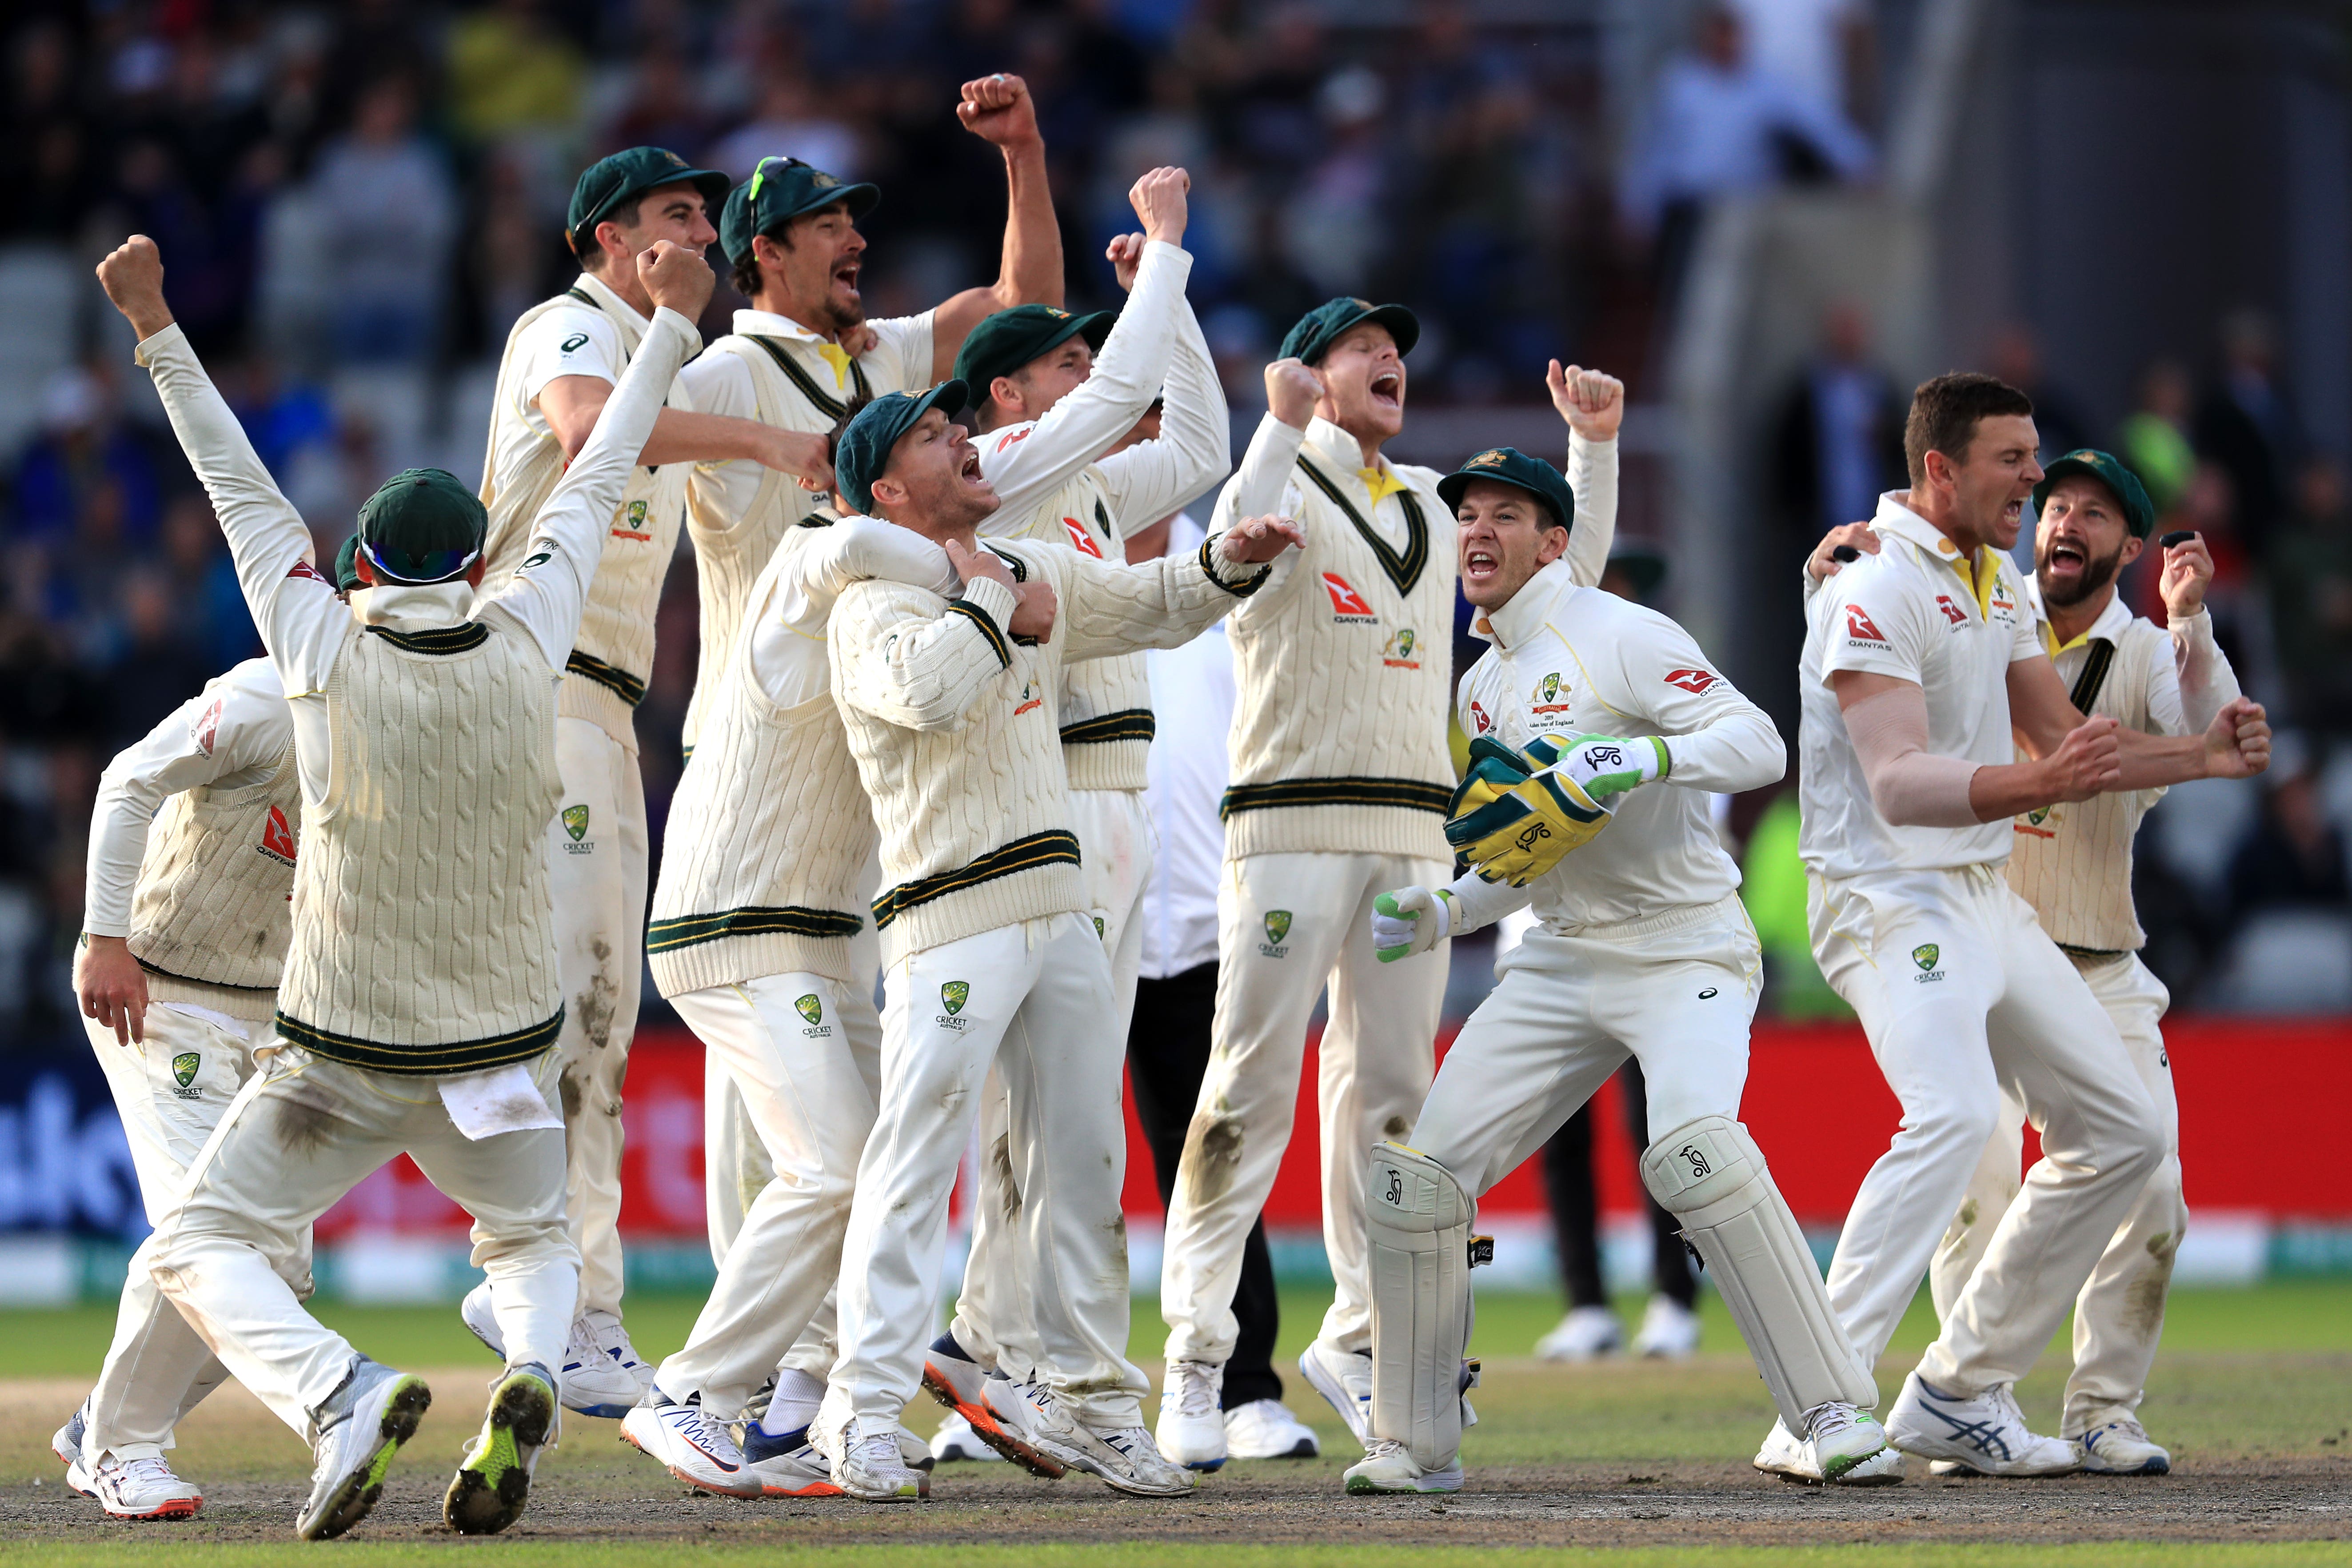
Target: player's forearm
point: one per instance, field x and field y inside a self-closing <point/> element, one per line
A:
<point x="1107" y="610"/>
<point x="1030" y="271"/>
<point x="2207" y="684"/>
<point x="1911" y="786"/>
<point x="119" y="824"/>
<point x="1593" y="477"/>
<point x="1256" y="490"/>
<point x="679" y="437"/>
<point x="864" y="549"/>
<point x="926" y="673"/>
<point x="1740" y="750"/>
<point x="1195" y="448"/>
<point x="2151" y="762"/>
<point x="1478" y="903"/>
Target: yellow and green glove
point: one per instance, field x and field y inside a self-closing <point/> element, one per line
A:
<point x="1512" y="826"/>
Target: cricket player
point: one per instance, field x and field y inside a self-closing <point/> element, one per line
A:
<point x="561" y="360"/>
<point x="191" y="851"/>
<point x="420" y="1001"/>
<point x="2072" y="863"/>
<point x="1341" y="780"/>
<point x="1052" y="422"/>
<point x="1922" y="662"/>
<point x="798" y="358"/>
<point x="1641" y="948"/>
<point x="988" y="955"/>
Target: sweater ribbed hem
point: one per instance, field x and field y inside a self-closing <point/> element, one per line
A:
<point x="427" y="1060"/>
<point x="734" y="960"/>
<point x="581" y="698"/>
<point x="1338" y="830"/>
<point x="1056" y="888"/>
<point x="246" y="1004"/>
<point x="1107" y="765"/>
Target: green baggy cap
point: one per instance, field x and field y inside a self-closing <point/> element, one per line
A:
<point x="423" y="526"/>
<point x="863" y="450"/>
<point x="1512" y="466"/>
<point x="2139" y="514"/>
<point x="347" y="571"/>
<point x="779" y="189"/>
<point x="1321" y="327"/>
<point x="614" y="182"/>
<point x="1008" y="340"/>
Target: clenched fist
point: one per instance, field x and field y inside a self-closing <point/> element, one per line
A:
<point x="132" y="277"/>
<point x="677" y="278"/>
<point x="1291" y="390"/>
<point x="2238" y="742"/>
<point x="1591" y="401"/>
<point x="999" y="111"/>
<point x="1159" y="199"/>
<point x="2087" y="763"/>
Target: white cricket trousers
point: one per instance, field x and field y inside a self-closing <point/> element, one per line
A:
<point x="804" y="1052"/>
<point x="302" y="1133"/>
<point x="1116" y="843"/>
<point x="2119" y="1314"/>
<point x="1675" y="991"/>
<point x="156" y="1369"/>
<point x="598" y="879"/>
<point x="1286" y="925"/>
<point x="1964" y="997"/>
<point x="1031" y="999"/>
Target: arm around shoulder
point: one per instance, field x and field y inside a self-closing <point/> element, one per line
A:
<point x="907" y="658"/>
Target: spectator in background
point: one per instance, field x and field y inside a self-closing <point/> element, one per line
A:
<point x="1839" y="440"/>
<point x="204" y="588"/>
<point x="1719" y="127"/>
<point x="1335" y="223"/>
<point x="2245" y="426"/>
<point x="84" y="443"/>
<point x="390" y="213"/>
<point x="49" y="157"/>
<point x="2154" y="439"/>
<point x="2015" y="356"/>
<point x="1822" y="50"/>
<point x="2295" y="857"/>
<point x="2310" y="577"/>
<point x="159" y="665"/>
<point x="665" y="109"/>
<point x="791" y="120"/>
<point x="511" y="72"/>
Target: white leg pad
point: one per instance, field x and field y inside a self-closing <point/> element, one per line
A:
<point x="1709" y="1175"/>
<point x="1419" y="1219"/>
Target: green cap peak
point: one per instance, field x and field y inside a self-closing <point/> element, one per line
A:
<point x="779" y="189"/>
<point x="2139" y="513"/>
<point x="613" y="183"/>
<point x="1509" y="465"/>
<point x="1006" y="341"/>
<point x="1321" y="327"/>
<point x="863" y="449"/>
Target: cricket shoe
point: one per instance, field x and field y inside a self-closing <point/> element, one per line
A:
<point x="1124" y="1458"/>
<point x="1669" y="1330"/>
<point x="1346" y="1381"/>
<point x="66" y="1443"/>
<point x="694" y="1447"/>
<point x="955" y="1442"/>
<point x="1266" y="1429"/>
<point x="361" y="1426"/>
<point x="1191" y="1428"/>
<point x="492" y="1485"/>
<point x="1983" y="1434"/>
<point x="997" y="1412"/>
<point x="136" y="1488"/>
<point x="866" y="1460"/>
<point x="603" y="1374"/>
<point x="788" y="1466"/>
<point x="1386" y="1466"/>
<point x="2121" y="1448"/>
<point x="1587" y="1334"/>
<point x="1850" y="1439"/>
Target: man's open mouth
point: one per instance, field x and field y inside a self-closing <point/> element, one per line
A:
<point x="970" y="471"/>
<point x="1480" y="563"/>
<point x="2066" y="556"/>
<point x="1388" y="390"/>
<point x="845" y="274"/>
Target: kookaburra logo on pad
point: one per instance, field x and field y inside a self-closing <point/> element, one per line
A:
<point x="1698" y="1165"/>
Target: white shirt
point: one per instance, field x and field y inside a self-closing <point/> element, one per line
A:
<point x="1574" y="660"/>
<point x="900" y="361"/>
<point x="1913" y="611"/>
<point x="227" y="736"/>
<point x="1192" y="704"/>
<point x="1712" y="132"/>
<point x="792" y="596"/>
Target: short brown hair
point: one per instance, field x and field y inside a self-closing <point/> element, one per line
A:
<point x="584" y="245"/>
<point x="1945" y="413"/>
<point x="743" y="271"/>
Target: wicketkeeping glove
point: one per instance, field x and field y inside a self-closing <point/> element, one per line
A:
<point x="1515" y="832"/>
<point x="1603" y="765"/>
<point x="1410" y="920"/>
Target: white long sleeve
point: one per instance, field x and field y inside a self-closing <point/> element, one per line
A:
<point x="1593" y="477"/>
<point x="899" y="656"/>
<point x="2207" y="683"/>
<point x="1195" y="445"/>
<point x="1256" y="488"/>
<point x="812" y="567"/>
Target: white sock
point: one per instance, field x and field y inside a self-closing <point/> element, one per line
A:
<point x="794" y="1403"/>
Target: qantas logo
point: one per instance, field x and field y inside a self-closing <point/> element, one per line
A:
<point x="304" y="569"/>
<point x="1861" y="627"/>
<point x="1014" y="438"/>
<point x="1952" y="612"/>
<point x="1347" y="604"/>
<point x="277" y="839"/>
<point x="1080" y="538"/>
<point x="1478" y="716"/>
<point x="1691" y="681"/>
<point x="207" y="727"/>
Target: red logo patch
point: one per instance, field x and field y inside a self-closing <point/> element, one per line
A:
<point x="1345" y="600"/>
<point x="1858" y="624"/>
<point x="304" y="569"/>
<point x="277" y="839"/>
<point x="1479" y="715"/>
<point x="1080" y="538"/>
<point x="207" y="726"/>
<point x="1952" y="612"/>
<point x="1690" y="680"/>
<point x="1014" y="438"/>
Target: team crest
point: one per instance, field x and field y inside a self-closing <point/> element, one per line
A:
<point x="575" y="822"/>
<point x="809" y="1007"/>
<point x="185" y="1066"/>
<point x="953" y="996"/>
<point x="1397" y="652"/>
<point x="1493" y="460"/>
<point x="1926" y="954"/>
<point x="1551" y="687"/>
<point x="1098" y="928"/>
<point x="2038" y="816"/>
<point x="1277" y="924"/>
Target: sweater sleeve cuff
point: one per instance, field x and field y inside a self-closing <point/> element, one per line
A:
<point x="1215" y="566"/>
<point x="988" y="604"/>
<point x="152" y="349"/>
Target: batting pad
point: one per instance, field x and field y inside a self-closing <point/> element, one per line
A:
<point x="1709" y="1175"/>
<point x="1419" y="1219"/>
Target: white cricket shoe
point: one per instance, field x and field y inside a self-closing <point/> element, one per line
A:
<point x="136" y="1488"/>
<point x="481" y="1319"/>
<point x="788" y="1466"/>
<point x="1669" y="1330"/>
<point x="66" y="1443"/>
<point x="1266" y="1429"/>
<point x="1587" y="1334"/>
<point x="955" y="1442"/>
<point x="1387" y="1468"/>
<point x="1346" y="1381"/>
<point x="2122" y="1448"/>
<point x="361" y="1426"/>
<point x="866" y="1461"/>
<point x="492" y="1485"/>
<point x="1124" y="1458"/>
<point x="1798" y="1459"/>
<point x="1985" y="1434"/>
<point x="603" y="1374"/>
<point x="1847" y="1446"/>
<point x="1191" y="1428"/>
<point x="694" y="1447"/>
<point x="996" y="1410"/>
